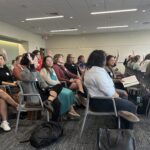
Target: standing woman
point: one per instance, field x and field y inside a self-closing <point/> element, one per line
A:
<point x="66" y="96"/>
<point x="99" y="84"/>
<point x="33" y="83"/>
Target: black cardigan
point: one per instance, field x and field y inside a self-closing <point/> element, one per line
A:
<point x="5" y="75"/>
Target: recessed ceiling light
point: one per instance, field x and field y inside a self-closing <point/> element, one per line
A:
<point x="136" y="21"/>
<point x="71" y="17"/>
<point x="64" y="30"/>
<point x="22" y="21"/>
<point x="143" y="10"/>
<point x="112" y="27"/>
<point x="114" y="11"/>
<point x="43" y="18"/>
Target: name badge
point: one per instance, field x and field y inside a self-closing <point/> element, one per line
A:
<point x="7" y="73"/>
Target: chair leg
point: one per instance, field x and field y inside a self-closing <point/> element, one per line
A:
<point x="119" y="123"/>
<point x="83" y="124"/>
<point x="47" y="115"/>
<point x="147" y="108"/>
<point x="17" y="122"/>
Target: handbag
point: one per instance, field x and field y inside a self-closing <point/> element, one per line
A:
<point x="115" y="139"/>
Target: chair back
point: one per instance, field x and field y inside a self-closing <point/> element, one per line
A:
<point x="100" y="98"/>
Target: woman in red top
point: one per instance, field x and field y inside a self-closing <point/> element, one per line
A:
<point x="39" y="59"/>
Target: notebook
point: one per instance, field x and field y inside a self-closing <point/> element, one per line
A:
<point x="130" y="81"/>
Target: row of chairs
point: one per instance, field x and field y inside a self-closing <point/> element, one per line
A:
<point x="144" y="88"/>
<point x="21" y="100"/>
<point x="88" y="111"/>
<point x="142" y="78"/>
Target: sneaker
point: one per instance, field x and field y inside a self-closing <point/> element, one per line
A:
<point x="129" y="116"/>
<point x="48" y="105"/>
<point x="5" y="126"/>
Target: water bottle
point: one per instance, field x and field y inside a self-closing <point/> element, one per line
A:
<point x="138" y="99"/>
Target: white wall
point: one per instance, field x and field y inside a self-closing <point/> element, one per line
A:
<point x="123" y="42"/>
<point x="34" y="40"/>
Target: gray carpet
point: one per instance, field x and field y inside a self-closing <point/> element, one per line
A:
<point x="71" y="140"/>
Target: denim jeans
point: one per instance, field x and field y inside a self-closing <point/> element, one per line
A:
<point x="107" y="106"/>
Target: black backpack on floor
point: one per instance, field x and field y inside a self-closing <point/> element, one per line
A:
<point x="45" y="134"/>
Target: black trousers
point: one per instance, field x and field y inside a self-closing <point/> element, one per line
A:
<point x="56" y="104"/>
<point x="107" y="106"/>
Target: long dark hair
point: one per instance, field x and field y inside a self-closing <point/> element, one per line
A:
<point x="147" y="57"/>
<point x="108" y="58"/>
<point x="44" y="65"/>
<point x="35" y="52"/>
<point x="96" y="58"/>
<point x="25" y="61"/>
<point x="68" y="59"/>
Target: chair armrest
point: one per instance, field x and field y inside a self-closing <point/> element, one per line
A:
<point x="4" y="86"/>
<point x="108" y="98"/>
<point x="100" y="97"/>
<point x="30" y="94"/>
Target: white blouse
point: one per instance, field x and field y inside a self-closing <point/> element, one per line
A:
<point x="98" y="82"/>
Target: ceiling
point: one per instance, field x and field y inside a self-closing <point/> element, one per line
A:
<point x="16" y="11"/>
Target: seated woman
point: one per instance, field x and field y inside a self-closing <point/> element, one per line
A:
<point x="73" y="81"/>
<point x="144" y="63"/>
<point x="33" y="83"/>
<point x="110" y="62"/>
<point x="81" y="64"/>
<point x="5" y="98"/>
<point x="136" y="64"/>
<point x="66" y="96"/>
<point x="99" y="83"/>
<point x="17" y="68"/>
<point x="147" y="73"/>
<point x="70" y="65"/>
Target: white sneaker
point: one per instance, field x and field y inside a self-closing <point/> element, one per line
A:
<point x="5" y="126"/>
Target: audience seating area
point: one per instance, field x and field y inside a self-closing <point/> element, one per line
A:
<point x="65" y="120"/>
<point x="144" y="87"/>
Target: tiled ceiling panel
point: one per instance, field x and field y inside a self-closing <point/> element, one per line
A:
<point x="16" y="11"/>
